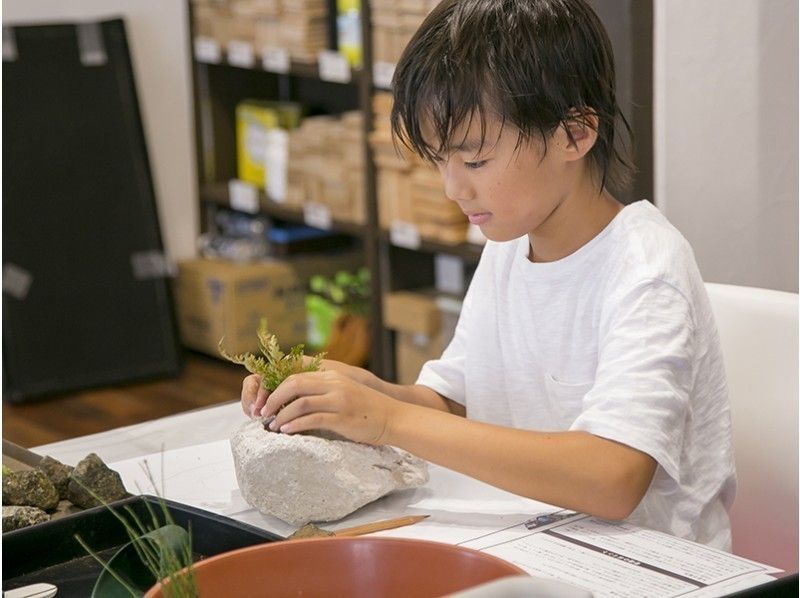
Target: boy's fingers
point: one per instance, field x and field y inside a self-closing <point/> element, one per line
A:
<point x="261" y="400"/>
<point x="250" y="386"/>
<point x="296" y="385"/>
<point x="303" y="406"/>
<point x="313" y="421"/>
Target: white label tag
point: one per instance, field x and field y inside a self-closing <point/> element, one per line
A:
<point x="206" y="49"/>
<point x="317" y="215"/>
<point x="9" y="44"/>
<point x="276" y="60"/>
<point x="382" y="73"/>
<point x="243" y="196"/>
<point x="404" y="234"/>
<point x="151" y="264"/>
<point x="241" y="54"/>
<point x="334" y="67"/>
<point x="91" y="46"/>
<point x="16" y="281"/>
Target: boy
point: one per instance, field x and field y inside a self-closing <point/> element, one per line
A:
<point x="585" y="370"/>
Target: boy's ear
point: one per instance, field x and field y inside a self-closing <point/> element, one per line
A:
<point x="579" y="133"/>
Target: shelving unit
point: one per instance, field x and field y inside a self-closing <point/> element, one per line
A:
<point x="225" y="76"/>
<point x="217" y="194"/>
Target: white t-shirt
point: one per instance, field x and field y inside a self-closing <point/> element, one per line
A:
<point x="616" y="339"/>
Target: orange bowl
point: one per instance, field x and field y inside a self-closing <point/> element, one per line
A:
<point x="353" y="567"/>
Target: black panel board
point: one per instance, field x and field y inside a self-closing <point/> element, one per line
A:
<point x="78" y="206"/>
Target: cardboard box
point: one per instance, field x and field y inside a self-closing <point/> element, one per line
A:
<point x="411" y="312"/>
<point x="412" y="350"/>
<point x="416" y="319"/>
<point x="217" y="299"/>
<point x="424" y="323"/>
<point x="393" y="197"/>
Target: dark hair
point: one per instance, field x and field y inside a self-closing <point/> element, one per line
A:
<point x="536" y="64"/>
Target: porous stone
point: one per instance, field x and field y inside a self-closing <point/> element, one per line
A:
<point x="91" y="474"/>
<point x="58" y="474"/>
<point x="17" y="517"/>
<point x="301" y="478"/>
<point x="30" y="488"/>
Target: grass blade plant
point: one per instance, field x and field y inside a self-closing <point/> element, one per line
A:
<point x="164" y="549"/>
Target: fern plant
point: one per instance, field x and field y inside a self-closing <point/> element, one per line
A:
<point x="273" y="365"/>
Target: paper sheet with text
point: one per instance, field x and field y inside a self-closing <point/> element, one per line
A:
<point x="610" y="559"/>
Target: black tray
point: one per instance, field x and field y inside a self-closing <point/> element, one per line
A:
<point x="49" y="553"/>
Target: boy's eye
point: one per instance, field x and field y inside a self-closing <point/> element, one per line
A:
<point x="475" y="165"/>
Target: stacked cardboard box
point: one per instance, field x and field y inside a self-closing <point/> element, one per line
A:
<point x="218" y="298"/>
<point x="326" y="165"/>
<point x="393" y="24"/>
<point x="303" y="29"/>
<point x="298" y="26"/>
<point x="423" y="323"/>
<point x="410" y="190"/>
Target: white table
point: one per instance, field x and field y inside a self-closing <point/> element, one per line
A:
<point x="602" y="556"/>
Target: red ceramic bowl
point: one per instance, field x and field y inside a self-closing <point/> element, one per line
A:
<point x="346" y="567"/>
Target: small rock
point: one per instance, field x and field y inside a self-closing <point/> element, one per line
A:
<point x="58" y="474"/>
<point x="17" y="517"/>
<point x="301" y="478"/>
<point x="95" y="475"/>
<point x="29" y="488"/>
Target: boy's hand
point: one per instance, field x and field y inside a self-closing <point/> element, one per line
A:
<point x="333" y="401"/>
<point x="254" y="397"/>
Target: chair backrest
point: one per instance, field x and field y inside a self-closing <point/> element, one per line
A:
<point x="759" y="335"/>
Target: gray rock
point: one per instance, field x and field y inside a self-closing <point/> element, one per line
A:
<point x="303" y="478"/>
<point x="93" y="474"/>
<point x="29" y="488"/>
<point x="58" y="474"/>
<point x="16" y="517"/>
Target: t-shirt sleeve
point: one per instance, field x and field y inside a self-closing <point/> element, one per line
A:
<point x="644" y="374"/>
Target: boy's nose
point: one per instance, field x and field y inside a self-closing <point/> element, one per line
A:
<point x="456" y="187"/>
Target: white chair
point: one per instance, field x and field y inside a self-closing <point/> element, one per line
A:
<point x="759" y="335"/>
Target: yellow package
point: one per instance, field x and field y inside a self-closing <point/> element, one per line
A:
<point x="348" y="31"/>
<point x="253" y="120"/>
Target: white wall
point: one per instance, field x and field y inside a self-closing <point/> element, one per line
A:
<point x="726" y="172"/>
<point x="158" y="33"/>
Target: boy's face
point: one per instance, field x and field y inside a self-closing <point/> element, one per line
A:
<point x="507" y="191"/>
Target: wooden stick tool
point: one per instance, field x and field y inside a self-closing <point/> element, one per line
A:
<point x="311" y="531"/>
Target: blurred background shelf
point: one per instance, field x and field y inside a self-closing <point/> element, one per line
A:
<point x="436" y="258"/>
<point x="306" y="70"/>
<point x="470" y="252"/>
<point x="218" y="195"/>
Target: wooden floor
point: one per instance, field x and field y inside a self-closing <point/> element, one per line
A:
<point x="203" y="381"/>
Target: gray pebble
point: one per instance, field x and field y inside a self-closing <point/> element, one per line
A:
<point x="16" y="517"/>
<point x="29" y="488"/>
